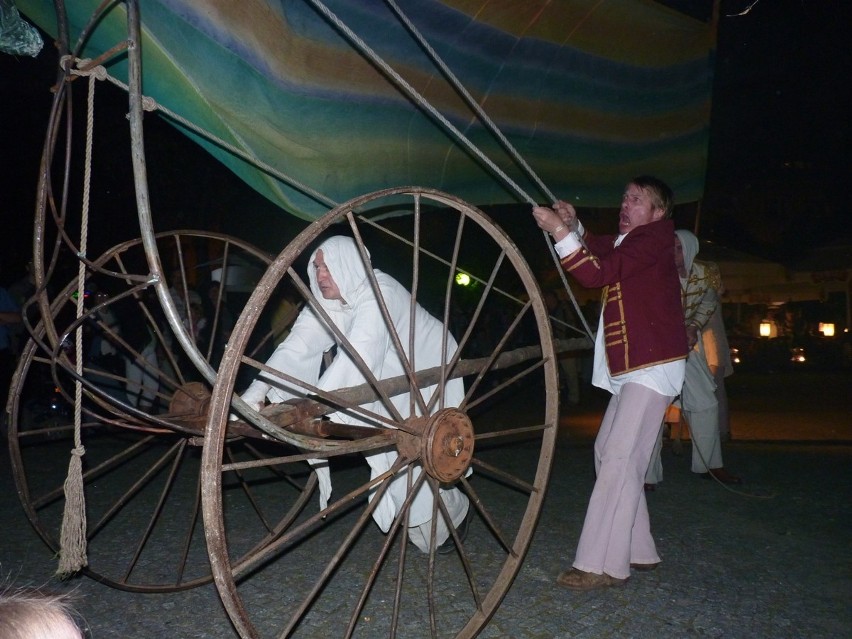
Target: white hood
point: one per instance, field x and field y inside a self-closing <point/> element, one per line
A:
<point x="689" y="244"/>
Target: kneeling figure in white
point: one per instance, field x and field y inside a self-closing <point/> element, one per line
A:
<point x="340" y="283"/>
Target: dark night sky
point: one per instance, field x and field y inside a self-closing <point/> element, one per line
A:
<point x="779" y="152"/>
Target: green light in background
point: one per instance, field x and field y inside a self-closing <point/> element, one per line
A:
<point x="462" y="279"/>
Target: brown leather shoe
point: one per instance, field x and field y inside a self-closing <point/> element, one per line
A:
<point x="581" y="580"/>
<point x="722" y="475"/>
<point x="645" y="567"/>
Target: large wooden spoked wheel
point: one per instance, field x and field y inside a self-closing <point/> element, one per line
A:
<point x="143" y="411"/>
<point x="333" y="572"/>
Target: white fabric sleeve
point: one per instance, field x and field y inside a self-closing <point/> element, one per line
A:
<point x="567" y="245"/>
<point x="299" y="355"/>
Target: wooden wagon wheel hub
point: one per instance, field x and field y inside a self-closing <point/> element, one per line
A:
<point x="448" y="445"/>
<point x="190" y="405"/>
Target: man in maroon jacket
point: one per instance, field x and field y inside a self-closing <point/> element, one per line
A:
<point x="640" y="350"/>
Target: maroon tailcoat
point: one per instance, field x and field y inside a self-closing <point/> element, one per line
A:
<point x="642" y="312"/>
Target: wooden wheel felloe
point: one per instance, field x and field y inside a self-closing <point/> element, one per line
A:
<point x="142" y="462"/>
<point x="496" y="446"/>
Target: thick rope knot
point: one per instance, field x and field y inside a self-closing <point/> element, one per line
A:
<point x="149" y="103"/>
<point x="99" y="72"/>
<point x="79" y="451"/>
<point x="80" y="66"/>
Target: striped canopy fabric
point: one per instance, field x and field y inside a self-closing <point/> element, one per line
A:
<point x="588" y="92"/>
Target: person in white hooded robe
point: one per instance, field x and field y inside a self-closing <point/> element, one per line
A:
<point x="339" y="281"/>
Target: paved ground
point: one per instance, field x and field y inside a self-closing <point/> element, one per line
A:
<point x="770" y="560"/>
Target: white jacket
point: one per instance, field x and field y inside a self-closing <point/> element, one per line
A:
<point x="359" y="319"/>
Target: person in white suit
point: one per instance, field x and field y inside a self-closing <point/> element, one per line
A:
<point x="698" y="396"/>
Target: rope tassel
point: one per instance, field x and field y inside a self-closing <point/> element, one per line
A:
<point x="72" y="554"/>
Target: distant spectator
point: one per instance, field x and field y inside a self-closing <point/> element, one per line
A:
<point x="147" y="357"/>
<point x="219" y="318"/>
<point x="698" y="400"/>
<point x="104" y="328"/>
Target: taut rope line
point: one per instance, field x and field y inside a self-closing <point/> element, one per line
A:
<point x="495" y="130"/>
<point x="149" y="104"/>
<point x="420" y="100"/>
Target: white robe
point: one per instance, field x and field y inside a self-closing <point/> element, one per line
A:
<point x="360" y="320"/>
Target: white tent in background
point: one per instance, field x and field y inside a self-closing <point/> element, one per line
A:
<point x="240" y="277"/>
<point x="753" y="280"/>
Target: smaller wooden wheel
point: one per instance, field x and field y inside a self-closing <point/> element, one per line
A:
<point x="144" y="408"/>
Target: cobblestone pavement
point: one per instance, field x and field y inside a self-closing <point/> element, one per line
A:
<point x="771" y="559"/>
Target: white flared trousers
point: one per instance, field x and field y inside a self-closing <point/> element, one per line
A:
<point x="617" y="529"/>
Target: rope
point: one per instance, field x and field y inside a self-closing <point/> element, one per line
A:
<point x="150" y="104"/>
<point x="510" y="148"/>
<point x="72" y="553"/>
<point x="696" y="449"/>
<point x="473" y="104"/>
<point x="426" y="106"/>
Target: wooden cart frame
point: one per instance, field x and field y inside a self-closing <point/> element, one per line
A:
<point x="153" y="469"/>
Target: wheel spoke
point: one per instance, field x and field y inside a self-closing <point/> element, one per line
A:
<point x="298" y="532"/>
<point x="333" y="399"/>
<point x="342" y="550"/>
<point x="118" y="502"/>
<point x="489" y="519"/>
<point x="507" y="383"/>
<point x="158" y="509"/>
<point x="492" y="464"/>
<point x="468" y="567"/>
<point x="499" y="348"/>
<point x="364" y="445"/>
<point x="400" y="522"/>
<point x="90" y="475"/>
<point x="139" y="459"/>
<point x="389" y="326"/>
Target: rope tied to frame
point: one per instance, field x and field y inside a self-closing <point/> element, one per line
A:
<point x="83" y="67"/>
<point x="72" y="539"/>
